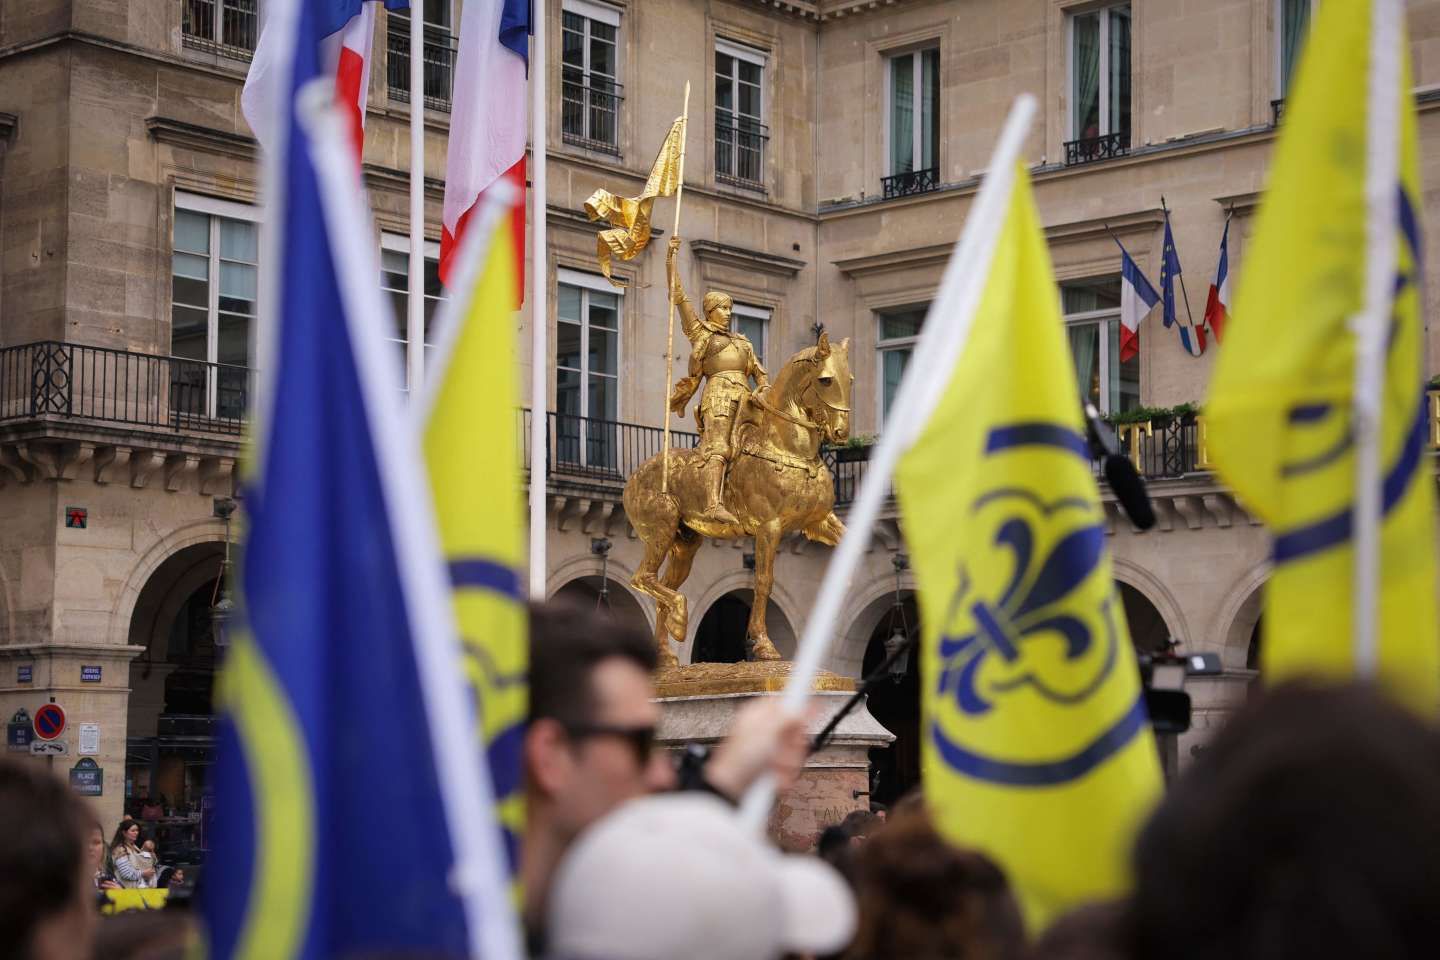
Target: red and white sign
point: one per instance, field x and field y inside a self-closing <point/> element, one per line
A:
<point x="49" y="721"/>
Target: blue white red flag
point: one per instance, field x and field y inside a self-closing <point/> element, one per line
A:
<point x="1137" y="299"/>
<point x="353" y="817"/>
<point x="487" y="123"/>
<point x="348" y="28"/>
<point x="1217" y="304"/>
<point x="1191" y="339"/>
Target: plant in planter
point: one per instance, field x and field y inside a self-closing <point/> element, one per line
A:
<point x="856" y="448"/>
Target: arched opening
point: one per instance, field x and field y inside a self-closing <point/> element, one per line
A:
<point x="608" y="598"/>
<point x="894" y="701"/>
<point x="721" y="635"/>
<point x="170" y="742"/>
<point x="1148" y="630"/>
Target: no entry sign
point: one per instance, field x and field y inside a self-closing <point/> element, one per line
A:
<point x="49" y="721"/>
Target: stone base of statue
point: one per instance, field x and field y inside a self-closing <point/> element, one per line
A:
<point x="699" y="703"/>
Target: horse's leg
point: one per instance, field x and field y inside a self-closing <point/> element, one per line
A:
<point x="767" y="539"/>
<point x="677" y="570"/>
<point x="827" y="531"/>
<point x="657" y="521"/>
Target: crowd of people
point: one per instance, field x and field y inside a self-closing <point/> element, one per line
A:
<point x="1309" y="828"/>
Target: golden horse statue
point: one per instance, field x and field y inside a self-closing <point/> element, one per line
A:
<point x="776" y="484"/>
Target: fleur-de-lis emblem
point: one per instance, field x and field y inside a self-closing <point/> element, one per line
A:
<point x="997" y="630"/>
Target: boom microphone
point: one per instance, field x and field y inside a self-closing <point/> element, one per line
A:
<point x="1120" y="472"/>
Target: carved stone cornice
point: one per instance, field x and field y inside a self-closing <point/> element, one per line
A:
<point x="37" y="452"/>
<point x="192" y="136"/>
<point x="1241" y="204"/>
<point x="727" y="255"/>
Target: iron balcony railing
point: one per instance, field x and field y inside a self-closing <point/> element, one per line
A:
<point x="740" y="150"/>
<point x="911" y="182"/>
<point x="1091" y="149"/>
<point x="53" y="379"/>
<point x="226" y="27"/>
<point x="439" y="68"/>
<point x="585" y="448"/>
<point x="590" y="113"/>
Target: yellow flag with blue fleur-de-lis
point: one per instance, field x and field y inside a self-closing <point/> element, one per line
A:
<point x="1280" y="406"/>
<point x="1036" y="745"/>
<point x="472" y="450"/>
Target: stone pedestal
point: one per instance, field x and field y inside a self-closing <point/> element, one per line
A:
<point x="699" y="703"/>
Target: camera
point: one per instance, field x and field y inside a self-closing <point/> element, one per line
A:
<point x="1163" y="674"/>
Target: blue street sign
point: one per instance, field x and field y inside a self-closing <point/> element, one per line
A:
<point x="89" y="674"/>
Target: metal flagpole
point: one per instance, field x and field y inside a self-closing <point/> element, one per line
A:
<point x="539" y="314"/>
<point x="1381" y="176"/>
<point x="670" y="324"/>
<point x="1183" y="292"/>
<point x="415" y="299"/>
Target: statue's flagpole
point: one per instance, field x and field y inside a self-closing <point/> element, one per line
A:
<point x="670" y="324"/>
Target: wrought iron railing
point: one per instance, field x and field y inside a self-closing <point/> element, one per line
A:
<point x="911" y="182"/>
<point x="1091" y="149"/>
<point x="230" y="28"/>
<point x="1277" y="111"/>
<point x="740" y="150"/>
<point x="439" y="69"/>
<point x="71" y="381"/>
<point x="586" y="448"/>
<point x="590" y="113"/>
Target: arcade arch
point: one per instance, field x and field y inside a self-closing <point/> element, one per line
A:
<point x="720" y="636"/>
<point x="607" y="597"/>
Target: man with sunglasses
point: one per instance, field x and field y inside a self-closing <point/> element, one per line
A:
<point x="590" y="743"/>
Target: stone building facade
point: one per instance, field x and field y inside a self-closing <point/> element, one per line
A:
<point x="835" y="148"/>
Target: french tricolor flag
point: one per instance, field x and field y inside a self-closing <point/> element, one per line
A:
<point x="487" y="122"/>
<point x="349" y="28"/>
<point x="1137" y="299"/>
<point x="1217" y="305"/>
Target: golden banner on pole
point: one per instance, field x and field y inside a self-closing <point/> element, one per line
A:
<point x="629" y="217"/>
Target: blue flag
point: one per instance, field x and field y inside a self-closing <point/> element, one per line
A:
<point x="353" y="816"/>
<point x="1191" y="339"/>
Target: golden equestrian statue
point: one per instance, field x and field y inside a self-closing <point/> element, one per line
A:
<point x="756" y="473"/>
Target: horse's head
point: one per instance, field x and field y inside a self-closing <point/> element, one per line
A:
<point x="825" y="391"/>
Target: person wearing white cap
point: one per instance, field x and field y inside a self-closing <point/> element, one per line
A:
<point x="678" y="876"/>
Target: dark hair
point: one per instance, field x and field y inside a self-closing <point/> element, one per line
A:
<point x="40" y="862"/>
<point x="860" y="823"/>
<point x="119" y="839"/>
<point x="923" y="899"/>
<point x="567" y="642"/>
<point x="1310" y="828"/>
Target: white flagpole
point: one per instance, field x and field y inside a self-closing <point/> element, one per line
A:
<point x="415" y="300"/>
<point x="1382" y="172"/>
<point x="539" y="314"/>
<point x="947" y="327"/>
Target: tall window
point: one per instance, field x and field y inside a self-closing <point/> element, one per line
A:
<point x="1293" y="27"/>
<point x="914" y="127"/>
<point x="395" y="281"/>
<point x="438" y="67"/>
<point x="753" y="322"/>
<point x="213" y="291"/>
<point x="898" y="332"/>
<point x="587" y="370"/>
<point x="740" y="134"/>
<point x="229" y="27"/>
<point x="590" y="94"/>
<point x="1100" y="77"/>
<point x="1092" y="322"/>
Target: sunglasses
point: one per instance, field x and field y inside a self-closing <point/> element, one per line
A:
<point x="640" y="739"/>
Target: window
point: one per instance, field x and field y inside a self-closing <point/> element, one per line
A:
<point x="587" y="371"/>
<point x="1092" y="322"/>
<point x="1292" y="29"/>
<point x="752" y="322"/>
<point x="739" y="99"/>
<point x="228" y="27"/>
<point x="438" y="72"/>
<point x="899" y="330"/>
<point x="913" y="131"/>
<point x="1099" y="85"/>
<point x="213" y="290"/>
<point x="395" y="281"/>
<point x="590" y="103"/>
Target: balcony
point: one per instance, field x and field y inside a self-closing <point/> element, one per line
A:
<point x="439" y="68"/>
<point x="910" y="182"/>
<point x="1277" y="111"/>
<point x="590" y="114"/>
<point x="740" y="150"/>
<point x="1094" y="149"/>
<point x="227" y="28"/>
<point x="586" y="451"/>
<point x="67" y="381"/>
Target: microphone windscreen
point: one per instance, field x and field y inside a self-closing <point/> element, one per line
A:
<point x="1129" y="489"/>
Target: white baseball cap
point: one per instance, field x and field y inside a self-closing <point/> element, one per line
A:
<point x="676" y="875"/>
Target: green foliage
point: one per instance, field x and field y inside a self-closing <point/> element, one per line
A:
<point x="862" y="440"/>
<point x="1155" y="414"/>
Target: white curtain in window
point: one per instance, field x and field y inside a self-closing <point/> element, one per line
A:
<point x="1084" y="346"/>
<point x="902" y="114"/>
<point x="1296" y="16"/>
<point x="1087" y="75"/>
